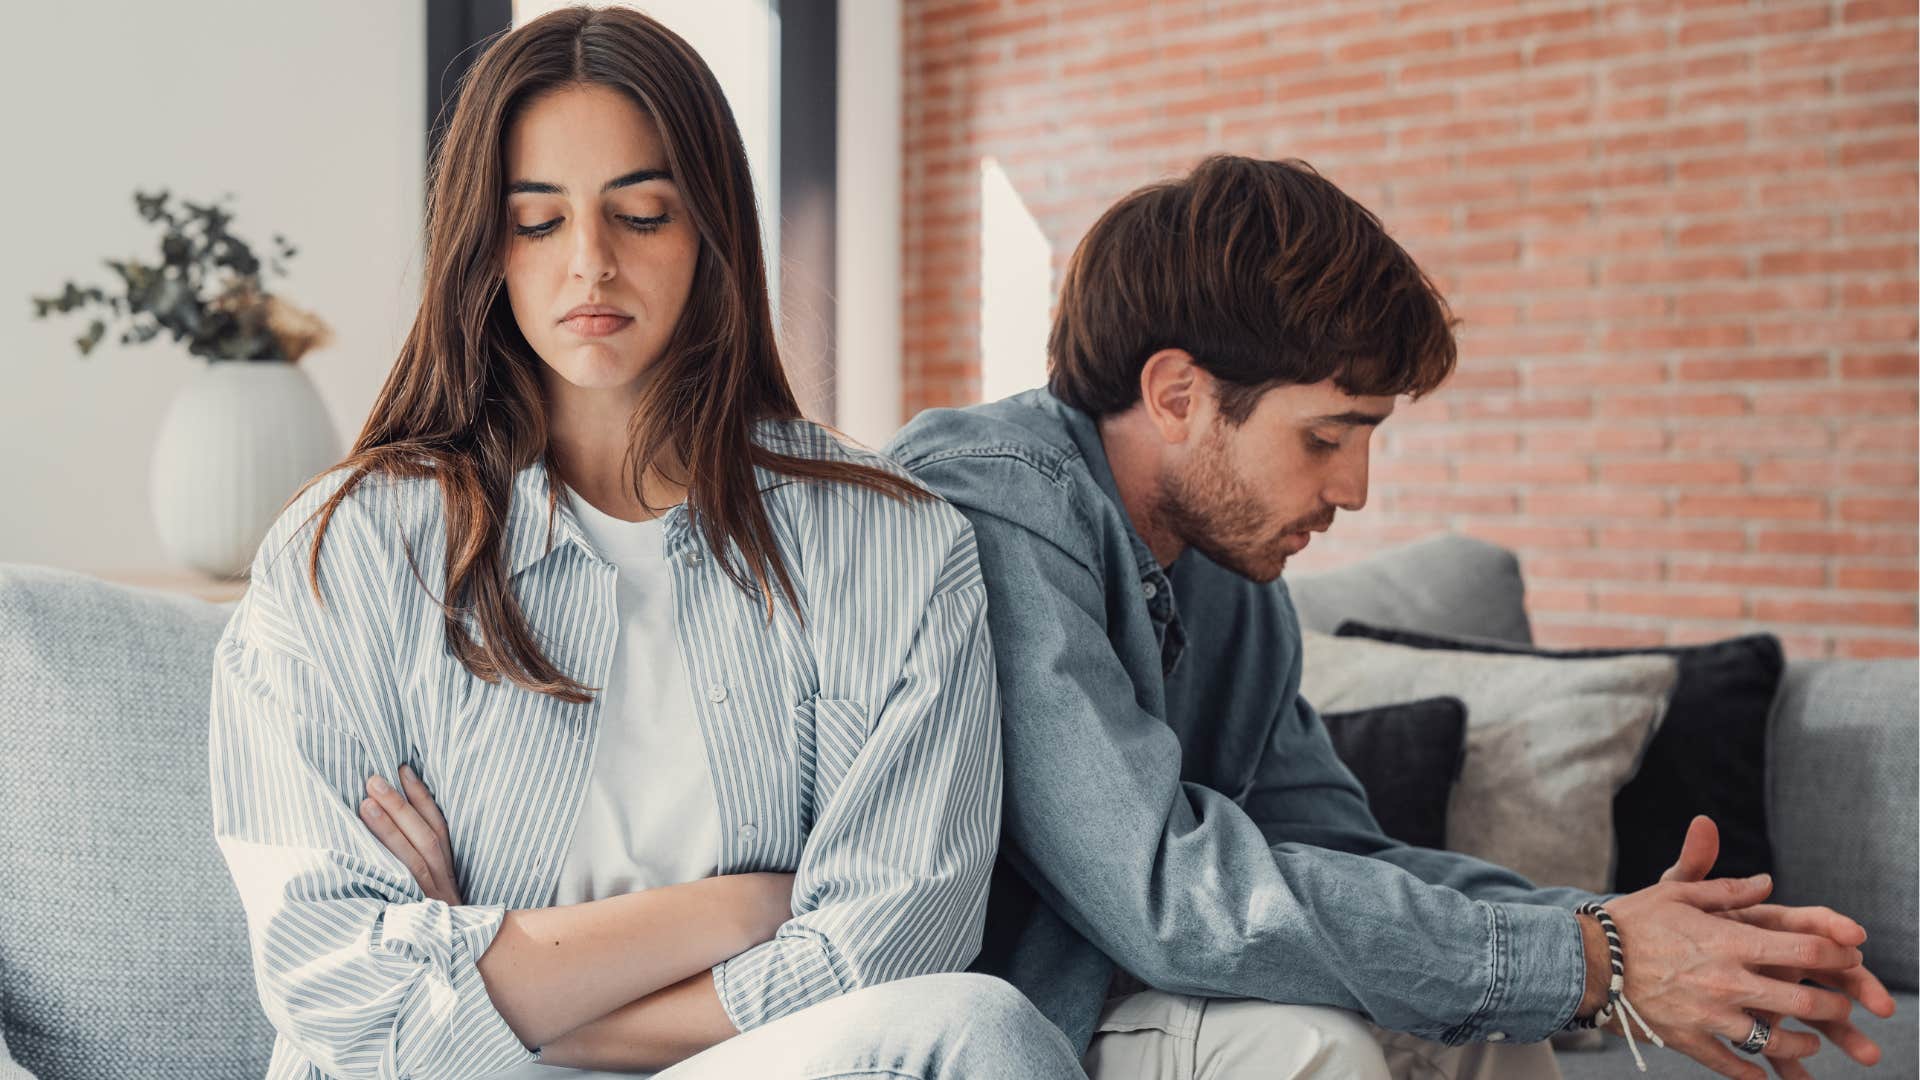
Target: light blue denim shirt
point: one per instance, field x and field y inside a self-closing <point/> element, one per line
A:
<point x="1173" y="805"/>
<point x="858" y="749"/>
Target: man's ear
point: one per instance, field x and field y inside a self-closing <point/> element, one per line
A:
<point x="1176" y="393"/>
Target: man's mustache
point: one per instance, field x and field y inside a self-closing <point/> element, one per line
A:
<point x="1319" y="522"/>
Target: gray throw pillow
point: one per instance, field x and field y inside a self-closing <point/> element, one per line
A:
<point x="123" y="947"/>
<point x="1549" y="743"/>
<point x="1441" y="585"/>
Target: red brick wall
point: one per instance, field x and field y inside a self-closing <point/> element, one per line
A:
<point x="1680" y="233"/>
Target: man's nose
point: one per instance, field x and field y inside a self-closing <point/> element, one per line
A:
<point x="1347" y="487"/>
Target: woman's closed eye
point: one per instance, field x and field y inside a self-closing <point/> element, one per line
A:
<point x="637" y="224"/>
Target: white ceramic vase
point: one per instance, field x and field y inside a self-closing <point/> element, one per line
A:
<point x="236" y="442"/>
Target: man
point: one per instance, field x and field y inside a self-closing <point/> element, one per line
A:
<point x="1178" y="830"/>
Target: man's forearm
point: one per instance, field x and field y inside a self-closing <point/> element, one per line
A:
<point x="661" y="1029"/>
<point x="551" y="970"/>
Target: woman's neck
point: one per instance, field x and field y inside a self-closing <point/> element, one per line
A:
<point x="600" y="473"/>
<point x="587" y="436"/>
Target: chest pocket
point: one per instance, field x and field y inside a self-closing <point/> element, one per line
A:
<point x="828" y="734"/>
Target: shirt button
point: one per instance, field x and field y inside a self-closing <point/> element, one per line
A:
<point x="1150" y="590"/>
<point x="748" y="832"/>
<point x="1496" y="1036"/>
<point x="716" y="693"/>
<point x="692" y="558"/>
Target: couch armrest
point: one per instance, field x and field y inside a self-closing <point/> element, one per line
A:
<point x="1843" y="796"/>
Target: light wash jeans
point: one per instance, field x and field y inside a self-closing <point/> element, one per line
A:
<point x="931" y="1027"/>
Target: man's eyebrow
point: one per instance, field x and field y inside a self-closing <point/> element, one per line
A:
<point x="1353" y="418"/>
<point x="541" y="187"/>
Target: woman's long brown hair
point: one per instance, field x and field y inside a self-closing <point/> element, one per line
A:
<point x="463" y="403"/>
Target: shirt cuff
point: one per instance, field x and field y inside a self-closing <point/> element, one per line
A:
<point x="448" y="1016"/>
<point x="775" y="978"/>
<point x="1539" y="975"/>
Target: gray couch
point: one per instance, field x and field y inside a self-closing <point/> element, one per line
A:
<point x="1842" y="789"/>
<point x="123" y="949"/>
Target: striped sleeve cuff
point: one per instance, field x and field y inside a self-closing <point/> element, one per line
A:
<point x="777" y="977"/>
<point x="448" y="1025"/>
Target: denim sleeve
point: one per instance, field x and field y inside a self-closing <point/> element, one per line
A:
<point x="1303" y="797"/>
<point x="1303" y="793"/>
<point x="1178" y="884"/>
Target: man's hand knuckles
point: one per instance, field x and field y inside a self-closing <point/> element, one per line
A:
<point x="1802" y="1002"/>
<point x="1799" y="952"/>
<point x="1724" y="984"/>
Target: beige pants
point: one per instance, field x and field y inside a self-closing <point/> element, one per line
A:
<point x="1159" y="1036"/>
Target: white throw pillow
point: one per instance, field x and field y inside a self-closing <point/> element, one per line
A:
<point x="1549" y="742"/>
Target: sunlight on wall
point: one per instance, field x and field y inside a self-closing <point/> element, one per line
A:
<point x="1016" y="266"/>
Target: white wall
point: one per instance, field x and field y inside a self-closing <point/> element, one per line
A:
<point x="311" y="114"/>
<point x="867" y="315"/>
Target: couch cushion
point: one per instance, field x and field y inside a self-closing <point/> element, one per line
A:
<point x="9" y="1068"/>
<point x="1709" y="756"/>
<point x="1549" y="742"/>
<point x="1441" y="585"/>
<point x="125" y="947"/>
<point x="1406" y="757"/>
<point x="1845" y="800"/>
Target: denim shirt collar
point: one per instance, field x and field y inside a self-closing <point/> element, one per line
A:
<point x="1155" y="587"/>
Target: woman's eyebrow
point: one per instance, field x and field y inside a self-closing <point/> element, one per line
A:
<point x="541" y="187"/>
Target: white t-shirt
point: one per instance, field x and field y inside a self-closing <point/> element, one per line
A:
<point x="649" y="817"/>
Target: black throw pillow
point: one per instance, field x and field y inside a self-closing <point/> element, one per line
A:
<point x="1708" y="757"/>
<point x="1406" y="757"/>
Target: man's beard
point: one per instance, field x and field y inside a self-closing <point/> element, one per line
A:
<point x="1214" y="512"/>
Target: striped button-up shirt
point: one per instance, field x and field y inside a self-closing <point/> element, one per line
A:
<point x="856" y="747"/>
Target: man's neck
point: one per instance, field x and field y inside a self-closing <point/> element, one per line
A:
<point x="1134" y="454"/>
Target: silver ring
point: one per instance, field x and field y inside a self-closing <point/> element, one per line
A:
<point x="1757" y="1038"/>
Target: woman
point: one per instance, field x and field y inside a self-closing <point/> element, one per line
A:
<point x="704" y="698"/>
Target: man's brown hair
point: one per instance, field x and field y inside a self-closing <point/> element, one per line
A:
<point x="1265" y="272"/>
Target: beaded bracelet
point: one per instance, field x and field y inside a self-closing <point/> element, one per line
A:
<point x="1617" y="1003"/>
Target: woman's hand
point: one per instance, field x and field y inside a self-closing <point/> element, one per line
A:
<point x="411" y="827"/>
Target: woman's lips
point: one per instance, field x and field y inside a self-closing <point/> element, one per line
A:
<point x="597" y="325"/>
